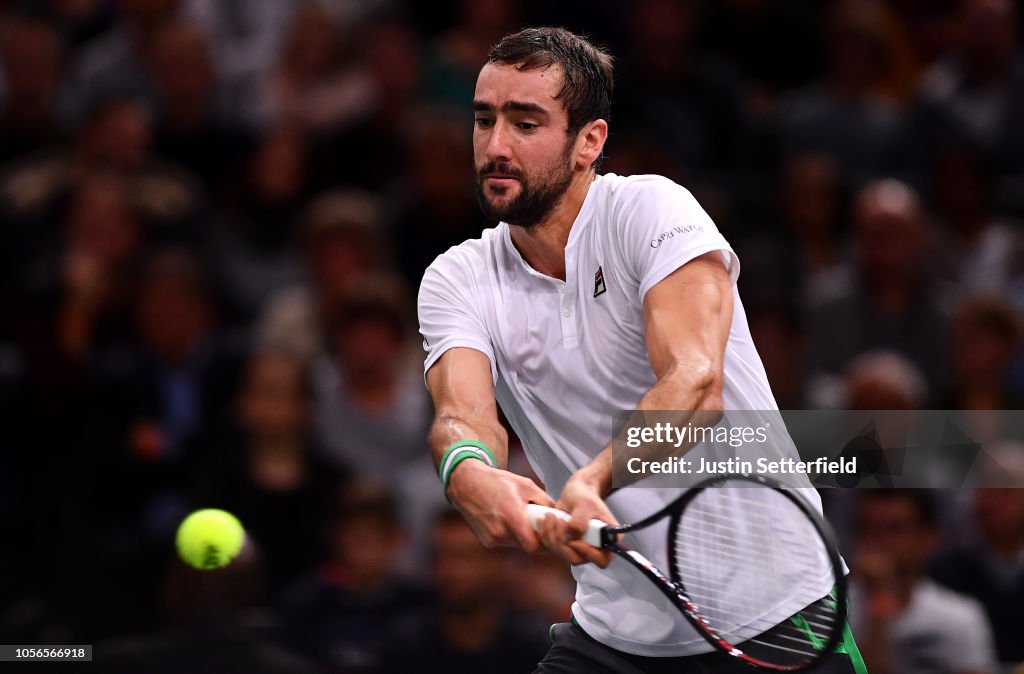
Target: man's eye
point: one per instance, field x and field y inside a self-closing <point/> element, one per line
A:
<point x="484" y="122"/>
<point x="527" y="126"/>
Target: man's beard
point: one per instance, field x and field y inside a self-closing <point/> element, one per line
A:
<point x="534" y="202"/>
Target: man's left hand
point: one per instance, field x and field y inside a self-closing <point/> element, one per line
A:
<point x="582" y="498"/>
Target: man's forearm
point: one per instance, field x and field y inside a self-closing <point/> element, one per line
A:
<point x="448" y="429"/>
<point x="492" y="499"/>
<point x="686" y="396"/>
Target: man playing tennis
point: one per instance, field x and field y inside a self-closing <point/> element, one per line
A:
<point x="595" y="294"/>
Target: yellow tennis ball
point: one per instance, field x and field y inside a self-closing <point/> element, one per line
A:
<point x="210" y="539"/>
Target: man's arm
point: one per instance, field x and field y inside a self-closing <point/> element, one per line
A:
<point x="492" y="500"/>
<point x="687" y="318"/>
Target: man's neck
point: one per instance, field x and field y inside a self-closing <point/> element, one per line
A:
<point x="543" y="246"/>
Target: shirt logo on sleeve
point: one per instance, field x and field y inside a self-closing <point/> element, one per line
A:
<point x="599" y="286"/>
<point x="656" y="243"/>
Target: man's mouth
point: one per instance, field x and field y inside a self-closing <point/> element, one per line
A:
<point x="500" y="178"/>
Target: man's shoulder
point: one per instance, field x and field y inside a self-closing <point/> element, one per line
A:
<point x="643" y="196"/>
<point x="470" y="254"/>
<point x="619" y="187"/>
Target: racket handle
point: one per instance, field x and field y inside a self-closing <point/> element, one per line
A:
<point x="591" y="536"/>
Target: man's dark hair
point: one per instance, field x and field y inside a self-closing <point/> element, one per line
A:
<point x="587" y="70"/>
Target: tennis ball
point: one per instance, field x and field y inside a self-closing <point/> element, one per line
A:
<point x="210" y="539"/>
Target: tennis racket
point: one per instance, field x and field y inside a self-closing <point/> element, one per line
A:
<point x="714" y="580"/>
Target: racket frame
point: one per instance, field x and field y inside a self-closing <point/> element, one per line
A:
<point x="674" y="588"/>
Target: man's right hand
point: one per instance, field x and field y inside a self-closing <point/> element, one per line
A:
<point x="493" y="501"/>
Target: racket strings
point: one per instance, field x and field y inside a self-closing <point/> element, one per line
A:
<point x="799" y="642"/>
<point x="744" y="553"/>
<point x="742" y="614"/>
<point x="802" y="652"/>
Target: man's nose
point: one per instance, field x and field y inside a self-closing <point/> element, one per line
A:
<point x="499" y="148"/>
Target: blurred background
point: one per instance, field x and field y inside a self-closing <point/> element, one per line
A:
<point x="215" y="215"/>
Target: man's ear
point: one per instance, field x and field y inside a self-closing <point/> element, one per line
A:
<point x="590" y="142"/>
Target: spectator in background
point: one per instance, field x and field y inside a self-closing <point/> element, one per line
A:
<point x="372" y="411"/>
<point x="118" y="134"/>
<point x="456" y="56"/>
<point x="79" y="303"/>
<point x="848" y="117"/>
<point x="887" y="384"/>
<point x="151" y="397"/>
<point x="884" y="380"/>
<point x="975" y="93"/>
<point x="342" y="234"/>
<point x="979" y="251"/>
<point x="33" y="65"/>
<point x="214" y="626"/>
<point x="689" y="101"/>
<point x="778" y="333"/>
<point x="316" y="85"/>
<point x="904" y="622"/>
<point x="390" y="50"/>
<point x="340" y="617"/>
<point x="244" y="38"/>
<point x="986" y="339"/>
<point x="471" y="628"/>
<point x="253" y="246"/>
<point x="989" y="566"/>
<point x="115" y="63"/>
<point x="116" y="138"/>
<point x="89" y="283"/>
<point x="802" y="257"/>
<point x="813" y="212"/>
<point x="120" y="137"/>
<point x="262" y="467"/>
<point x="441" y="211"/>
<point x="889" y="304"/>
<point x="190" y="130"/>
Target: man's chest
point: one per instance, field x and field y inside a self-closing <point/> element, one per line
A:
<point x="579" y="336"/>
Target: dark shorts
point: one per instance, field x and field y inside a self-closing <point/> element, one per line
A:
<point x="573" y="651"/>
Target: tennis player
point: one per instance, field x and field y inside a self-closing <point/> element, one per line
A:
<point x="594" y="294"/>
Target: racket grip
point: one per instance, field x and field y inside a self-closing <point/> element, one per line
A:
<point x="592" y="536"/>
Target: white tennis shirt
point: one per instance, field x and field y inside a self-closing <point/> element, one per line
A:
<point x="567" y="357"/>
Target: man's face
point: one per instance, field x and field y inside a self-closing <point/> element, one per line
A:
<point x="522" y="152"/>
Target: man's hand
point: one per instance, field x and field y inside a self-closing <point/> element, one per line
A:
<point x="582" y="498"/>
<point x="493" y="501"/>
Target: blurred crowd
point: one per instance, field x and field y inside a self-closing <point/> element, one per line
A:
<point x="215" y="215"/>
